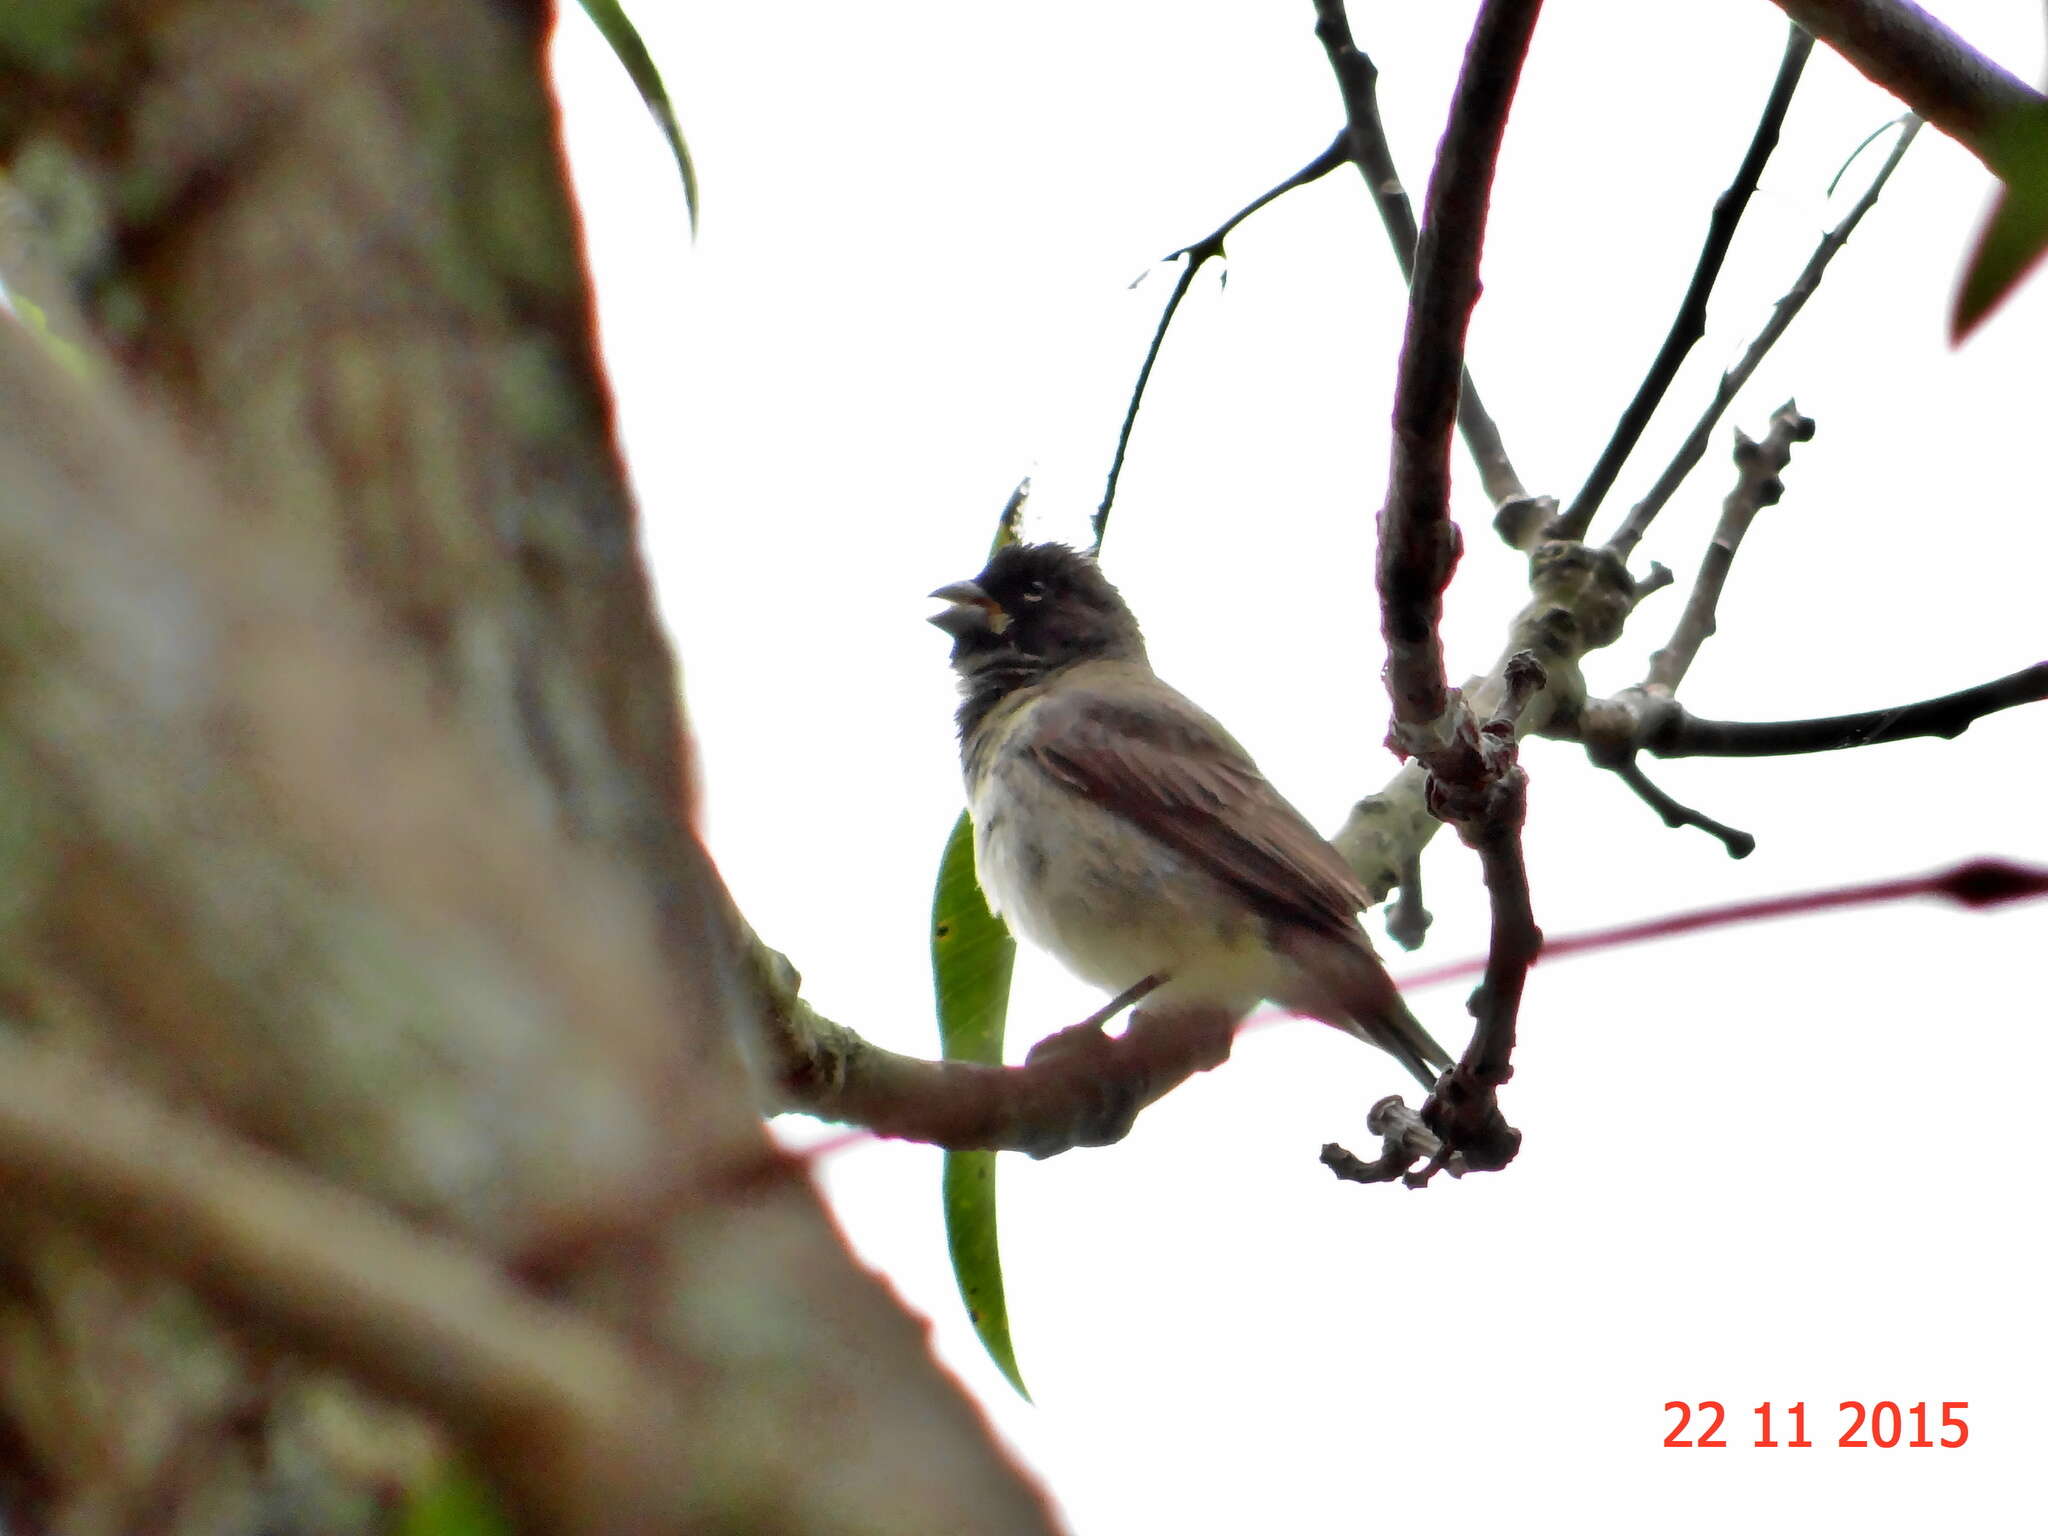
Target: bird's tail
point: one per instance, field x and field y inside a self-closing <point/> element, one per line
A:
<point x="1345" y="985"/>
<point x="1400" y="1034"/>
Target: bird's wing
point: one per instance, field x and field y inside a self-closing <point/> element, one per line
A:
<point x="1137" y="746"/>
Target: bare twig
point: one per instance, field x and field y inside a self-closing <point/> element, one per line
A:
<point x="1927" y="66"/>
<point x="1408" y="919"/>
<point x="1099" y="522"/>
<point x="1210" y="245"/>
<point x="1740" y="844"/>
<point x="1691" y="321"/>
<point x="1645" y="511"/>
<point x="1756" y="486"/>
<point x="1636" y="720"/>
<point x="1079" y="1087"/>
<point x="1358" y="81"/>
<point x="1405" y="1141"/>
<point x="1672" y="732"/>
<point x="1658" y="579"/>
<point x="1419" y="544"/>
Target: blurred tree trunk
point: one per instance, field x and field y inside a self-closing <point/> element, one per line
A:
<point x="344" y="809"/>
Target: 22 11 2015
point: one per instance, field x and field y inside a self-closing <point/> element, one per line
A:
<point x="1880" y="1425"/>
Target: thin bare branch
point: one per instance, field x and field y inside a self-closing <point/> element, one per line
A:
<point x="1210" y="245"/>
<point x="1756" y="486"/>
<point x="1645" y="511"/>
<point x="1632" y="722"/>
<point x="1923" y="63"/>
<point x="1419" y="544"/>
<point x="1358" y="81"/>
<point x="1079" y="1087"/>
<point x="1740" y="844"/>
<point x="1691" y="321"/>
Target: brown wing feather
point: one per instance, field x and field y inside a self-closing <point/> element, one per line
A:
<point x="1164" y="764"/>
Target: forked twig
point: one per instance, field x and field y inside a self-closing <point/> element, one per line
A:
<point x="1690" y="324"/>
<point x="1645" y="511"/>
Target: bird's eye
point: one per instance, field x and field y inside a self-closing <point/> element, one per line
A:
<point x="1034" y="593"/>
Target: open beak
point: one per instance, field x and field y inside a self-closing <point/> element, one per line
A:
<point x="969" y="611"/>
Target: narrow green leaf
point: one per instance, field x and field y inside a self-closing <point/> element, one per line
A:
<point x="972" y="953"/>
<point x="631" y="52"/>
<point x="2015" y="237"/>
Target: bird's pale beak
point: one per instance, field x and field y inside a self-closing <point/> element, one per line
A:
<point x="970" y="610"/>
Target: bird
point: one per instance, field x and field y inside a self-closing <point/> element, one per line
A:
<point x="1122" y="829"/>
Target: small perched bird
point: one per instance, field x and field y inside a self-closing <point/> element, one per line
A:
<point x="1119" y="827"/>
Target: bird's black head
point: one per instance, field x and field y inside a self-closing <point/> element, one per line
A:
<point x="1034" y="609"/>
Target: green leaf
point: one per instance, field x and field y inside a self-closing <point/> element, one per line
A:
<point x="456" y="1503"/>
<point x="639" y="64"/>
<point x="1012" y="520"/>
<point x="972" y="953"/>
<point x="2016" y="235"/>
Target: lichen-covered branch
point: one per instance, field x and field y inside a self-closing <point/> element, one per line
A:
<point x="1756" y="486"/>
<point x="1924" y="63"/>
<point x="1580" y="597"/>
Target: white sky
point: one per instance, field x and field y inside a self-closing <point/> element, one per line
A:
<point x="1783" y="1163"/>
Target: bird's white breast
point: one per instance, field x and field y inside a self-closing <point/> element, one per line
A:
<point x="1104" y="897"/>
